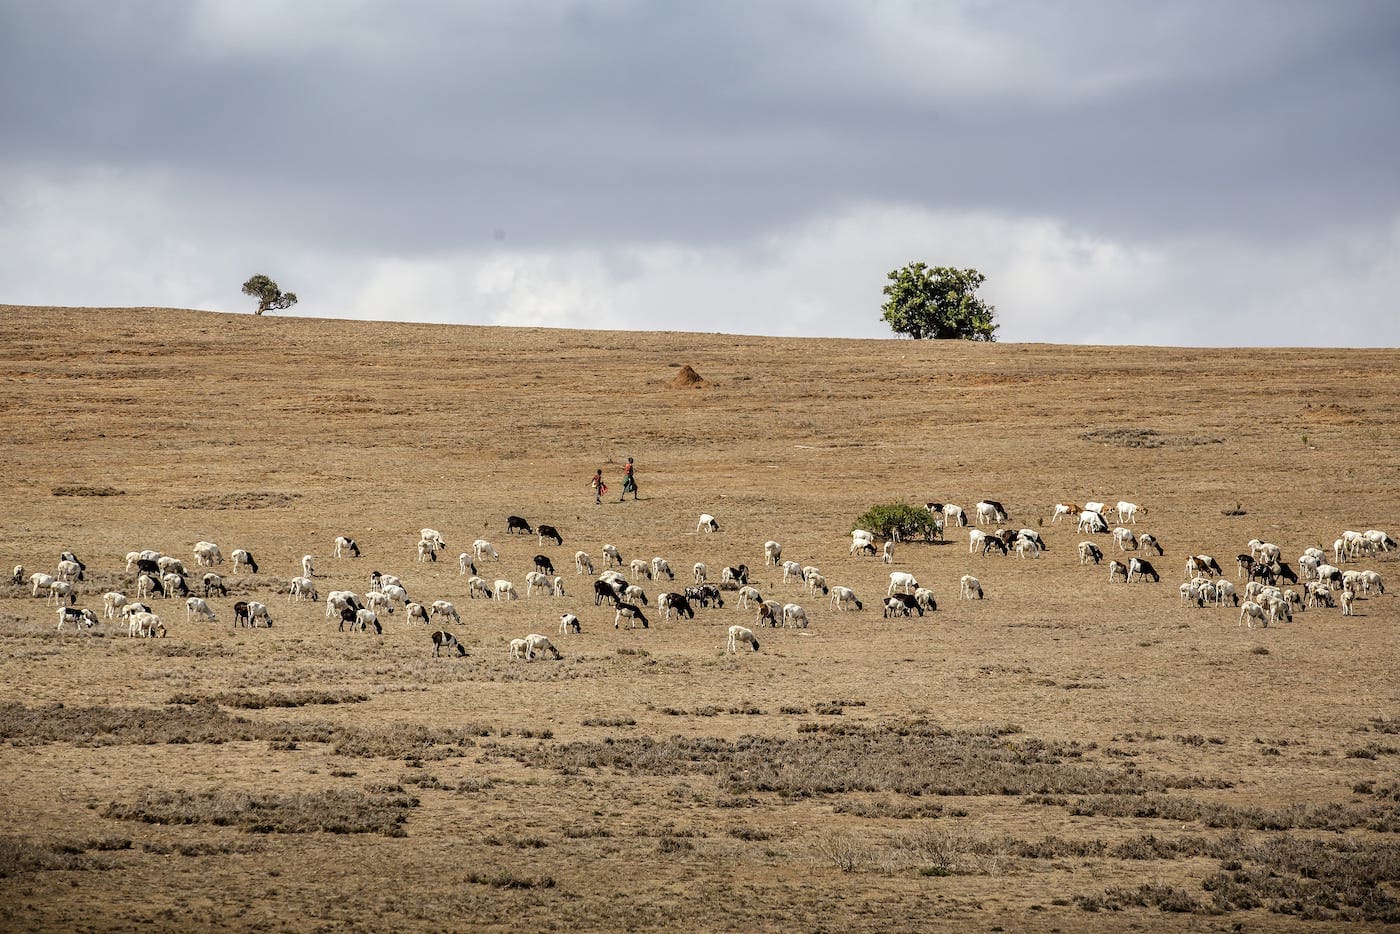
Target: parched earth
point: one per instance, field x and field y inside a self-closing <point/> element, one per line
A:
<point x="1066" y="754"/>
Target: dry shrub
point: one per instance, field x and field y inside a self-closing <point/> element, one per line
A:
<point x="1144" y="438"/>
<point x="82" y="489"/>
<point x="249" y="500"/>
<point x="19" y="855"/>
<point x="1332" y="816"/>
<point x="333" y="811"/>
<point x="247" y="700"/>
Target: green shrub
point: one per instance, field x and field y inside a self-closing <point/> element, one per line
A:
<point x="898" y="521"/>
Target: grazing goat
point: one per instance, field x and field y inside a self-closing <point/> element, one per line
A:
<point x="481" y="548"/>
<point x="1116" y="568"/>
<point x="308" y="565"/>
<point x="80" y="618"/>
<point x="792" y="569"/>
<point x="1065" y="509"/>
<point x="705" y="594"/>
<point x="62" y="592"/>
<point x="504" y="590"/>
<point x="17" y="575"/>
<point x="1372" y="580"/>
<point x="515" y="524"/>
<point x="815" y="582"/>
<point x="701" y="572"/>
<point x="171" y="566"/>
<point x="954" y="515"/>
<point x="990" y="510"/>
<point x="741" y="634"/>
<point x="707" y="523"/>
<point x="568" y="623"/>
<point x="902" y="582"/>
<point x="213" y="584"/>
<point x="1025" y="544"/>
<point x="242" y="557"/>
<point x="344" y="544"/>
<point x="148" y="586"/>
<point x="366" y="620"/>
<point x="843" y="596"/>
<point x="443" y="640"/>
<point x="1224" y="590"/>
<point x="667" y="602"/>
<point x="1379" y="540"/>
<point x="445" y="609"/>
<point x="632" y="613"/>
<point x="1197" y="565"/>
<point x="611" y="556"/>
<point x="41" y="581"/>
<point x="749" y="596"/>
<point x="194" y="606"/>
<point x="739" y="575"/>
<point x="976" y="539"/>
<point x="925" y="599"/>
<point x="536" y="644"/>
<point x="377" y="600"/>
<point x="1142" y="568"/>
<point x="1125" y="539"/>
<point x="772" y="553"/>
<point x="640" y="568"/>
<point x="583" y="562"/>
<point x="465" y="564"/>
<point x="1127" y="512"/>
<point x="794" y="616"/>
<point x="549" y="532"/>
<point x="175" y="585"/>
<point x="661" y="567"/>
<point x="970" y="588"/>
<point x="544" y="565"/>
<point x="258" y="611"/>
<point x="1088" y="551"/>
<point x="634" y="594"/>
<point x="145" y="624"/>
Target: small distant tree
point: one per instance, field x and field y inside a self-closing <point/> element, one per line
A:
<point x="898" y="521"/>
<point x="269" y="296"/>
<point x="938" y="302"/>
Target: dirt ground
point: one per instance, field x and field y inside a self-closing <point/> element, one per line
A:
<point x="1066" y="754"/>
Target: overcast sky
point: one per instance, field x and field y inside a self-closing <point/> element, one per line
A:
<point x="1203" y="173"/>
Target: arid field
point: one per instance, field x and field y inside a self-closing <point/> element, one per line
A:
<point x="1066" y="754"/>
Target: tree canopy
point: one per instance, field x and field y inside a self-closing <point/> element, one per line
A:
<point x="938" y="302"/>
<point x="269" y="296"/>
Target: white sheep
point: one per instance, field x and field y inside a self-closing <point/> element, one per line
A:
<point x="989" y="513"/>
<point x="1379" y="540"/>
<point x="112" y="601"/>
<point x="634" y="594"/>
<point x="207" y="554"/>
<point x="772" y="553"/>
<point x="63" y="593"/>
<point x="792" y="569"/>
<point x="1127" y="512"/>
<point x="1250" y="611"/>
<point x="583" y="562"/>
<point x="242" y="558"/>
<point x="302" y="588"/>
<point x="396" y="594"/>
<point x="1224" y="590"/>
<point x="611" y="556"/>
<point x="517" y="648"/>
<point x="376" y="601"/>
<point x="794" y="616"/>
<point x="640" y="568"/>
<point x="1346" y="598"/>
<point x="542" y="582"/>
<point x="42" y="582"/>
<point x="69" y="571"/>
<point x="701" y="572"/>
<point x="748" y="596"/>
<point x="344" y="544"/>
<point x="144" y="625"/>
<point x="417" y="611"/>
<point x="741" y="634"/>
<point x="366" y="620"/>
<point x="504" y="590"/>
<point x="925" y="599"/>
<point x="536" y="644"/>
<point x="432" y="535"/>
<point x="1091" y="520"/>
<point x="569" y="623"/>
<point x="1089" y="553"/>
<point x="1371" y="580"/>
<point x="443" y="608"/>
<point x="481" y="548"/>
<point x="815" y="582"/>
<point x="976" y="541"/>
<point x="862" y="540"/>
<point x="954" y="515"/>
<point x="887" y="553"/>
<point x="258" y="611"/>
<point x="660" y="568"/>
<point x="1024" y="545"/>
<point x="1125" y="539"/>
<point x="195" y="606"/>
<point x="427" y="552"/>
<point x="902" y="582"/>
<point x="707" y="523"/>
<point x="1116" y="568"/>
<point x="841" y="597"/>
<point x="970" y="588"/>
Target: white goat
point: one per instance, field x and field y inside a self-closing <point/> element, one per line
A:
<point x="660" y="567"/>
<point x="772" y="553"/>
<point x="443" y="608"/>
<point x="701" y="572"/>
<point x="481" y="548"/>
<point x="1125" y="539"/>
<point x="504" y="590"/>
<point x="794" y="616"/>
<point x="583" y="562"/>
<point x="954" y="515"/>
<point x="707" y="523"/>
<point x="970" y="588"/>
<point x="194" y="606"/>
<point x="741" y="634"/>
<point x="611" y="556"/>
<point x="841" y="597"/>
<point x="887" y="553"/>
<point x="902" y="582"/>
<point x="1091" y="520"/>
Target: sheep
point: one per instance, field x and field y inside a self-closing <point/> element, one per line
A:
<point x="515" y="524"/>
<point x="770" y="612"/>
<point x="240" y="614"/>
<point x="1267" y="553"/>
<point x="1200" y="564"/>
<point x="396" y="594"/>
<point x="613" y="577"/>
<point x="417" y="611"/>
<point x="901" y="604"/>
<point x="738" y="634"/>
<point x="302" y="588"/>
<point x="568" y="623"/>
<point x="701" y="572"/>
<point x="1065" y="509"/>
<point x="148" y="566"/>
<point x="542" y="582"/>
<point x="195" y="606"/>
<point x="213" y="584"/>
<point x="634" y="594"/>
<point x="1346" y="597"/>
<point x="925" y="599"/>
<point x="1095" y="507"/>
<point x="1149" y="542"/>
<point x="994" y="541"/>
<point x="1092" y="521"/>
<point x="41" y="581"/>
<point x="1088" y="551"/>
<point x="990" y="510"/>
<point x="841" y="597"/>
<point x="887" y="553"/>
<point x="258" y="611"/>
<point x="1277" y="607"/>
<point x="445" y="609"/>
<point x="739" y="575"/>
<point x="976" y="539"/>
<point x="130" y="608"/>
<point x="175" y="585"/>
<point x="504" y="590"/>
<point x="549" y="532"/>
<point x="343" y="544"/>
<point x="667" y="602"/>
<point x="111" y="602"/>
<point x="1127" y="512"/>
<point x="446" y="640"/>
<point x="536" y="644"/>
<point x="145" y="625"/>
<point x="1379" y="540"/>
<point x="80" y="618"/>
<point x="1250" y="611"/>
<point x="1025" y="544"/>
<point x="583" y="562"/>
<point x="954" y="514"/>
<point x="242" y="557"/>
<point x="705" y="594"/>
<point x="611" y="556"/>
<point x="544" y="565"/>
<point x="1116" y="568"/>
<point x="815" y="583"/>
<point x="749" y="596"/>
<point x="1252" y="589"/>
<point x="366" y="620"/>
<point x="793" y="569"/>
<point x="465" y="564"/>
<point x="659" y="567"/>
<point x="481" y="548"/>
<point x="794" y="616"/>
<point x="1125" y="539"/>
<point x="604" y="590"/>
<point x="69" y="571"/>
<point x="377" y="600"/>
<point x="970" y="588"/>
<point x="861" y="539"/>
<point x="338" y="600"/>
<point x="640" y="568"/>
<point x="902" y="582"/>
<point x="17" y="575"/>
<point x="1224" y="590"/>
<point x="69" y="556"/>
<point x="170" y="565"/>
<point x="632" y="613"/>
<point x="427" y="551"/>
<point x="1370" y="580"/>
<point x="147" y="586"/>
<point x="1142" y="568"/>
<point x="707" y="523"/>
<point x="432" y="535"/>
<point x="772" y="553"/>
<point x="1328" y="573"/>
<point x="1319" y="594"/>
<point x="1307" y="564"/>
<point x="517" y="648"/>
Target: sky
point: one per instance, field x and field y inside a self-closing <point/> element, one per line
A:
<point x="1186" y="173"/>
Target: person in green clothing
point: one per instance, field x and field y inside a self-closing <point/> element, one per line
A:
<point x="629" y="482"/>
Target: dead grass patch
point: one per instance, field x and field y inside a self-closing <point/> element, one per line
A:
<point x="333" y="811"/>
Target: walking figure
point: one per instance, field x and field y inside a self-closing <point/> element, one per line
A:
<point x="629" y="482"/>
<point x="599" y="487"/>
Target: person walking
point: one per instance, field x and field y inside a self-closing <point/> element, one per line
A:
<point x="629" y="482"/>
<point x="599" y="487"/>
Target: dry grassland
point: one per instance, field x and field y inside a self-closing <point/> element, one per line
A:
<point x="1067" y="754"/>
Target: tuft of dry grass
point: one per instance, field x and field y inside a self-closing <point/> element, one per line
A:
<point x="333" y="811"/>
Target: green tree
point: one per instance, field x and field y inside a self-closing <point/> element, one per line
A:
<point x="940" y="303"/>
<point x="269" y="296"/>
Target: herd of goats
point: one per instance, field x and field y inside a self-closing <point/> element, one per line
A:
<point x="1266" y="597"/>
